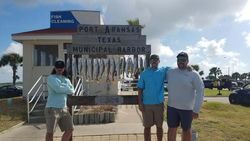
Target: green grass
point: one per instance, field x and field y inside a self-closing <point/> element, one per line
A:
<point x="223" y="122"/>
<point x="12" y="112"/>
<point x="214" y="92"/>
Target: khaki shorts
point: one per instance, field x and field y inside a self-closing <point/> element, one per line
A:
<point x="153" y="115"/>
<point x="58" y="116"/>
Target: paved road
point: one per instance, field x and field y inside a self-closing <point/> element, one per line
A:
<point x="128" y="127"/>
<point x="217" y="99"/>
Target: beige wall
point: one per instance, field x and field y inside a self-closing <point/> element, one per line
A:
<point x="30" y="72"/>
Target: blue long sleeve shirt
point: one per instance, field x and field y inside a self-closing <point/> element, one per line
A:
<point x="58" y="89"/>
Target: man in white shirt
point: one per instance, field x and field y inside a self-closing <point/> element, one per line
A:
<point x="185" y="97"/>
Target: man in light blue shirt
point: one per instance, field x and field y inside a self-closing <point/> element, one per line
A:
<point x="56" y="113"/>
<point x="151" y="97"/>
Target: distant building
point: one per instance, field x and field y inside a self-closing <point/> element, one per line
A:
<point x="41" y="48"/>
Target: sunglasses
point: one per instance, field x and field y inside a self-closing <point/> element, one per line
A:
<point x="181" y="60"/>
<point x="154" y="60"/>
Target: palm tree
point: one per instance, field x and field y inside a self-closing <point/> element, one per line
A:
<point x="215" y="71"/>
<point x="135" y="22"/>
<point x="201" y="73"/>
<point x="12" y="59"/>
<point x="236" y="75"/>
<point x="243" y="76"/>
<point x="197" y="68"/>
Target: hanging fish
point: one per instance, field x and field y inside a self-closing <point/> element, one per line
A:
<point x="79" y="65"/>
<point x="89" y="72"/>
<point x="68" y="65"/>
<point x="107" y="68"/>
<point x="102" y="68"/>
<point x="121" y="68"/>
<point x="95" y="69"/>
<point x="74" y="68"/>
<point x="141" y="66"/>
<point x="145" y="63"/>
<point x="129" y="67"/>
<point x="112" y="68"/>
<point x="117" y="68"/>
<point x="84" y="68"/>
<point x="135" y="67"/>
<point x="124" y="63"/>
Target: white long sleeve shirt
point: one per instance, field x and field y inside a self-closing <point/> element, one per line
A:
<point x="185" y="90"/>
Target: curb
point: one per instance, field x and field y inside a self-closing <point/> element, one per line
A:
<point x="15" y="126"/>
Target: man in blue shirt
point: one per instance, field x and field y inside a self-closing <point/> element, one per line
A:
<point x="151" y="97"/>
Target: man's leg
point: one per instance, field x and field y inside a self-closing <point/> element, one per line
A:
<point x="49" y="137"/>
<point x="147" y="122"/>
<point x="147" y="133"/>
<point x="51" y="122"/>
<point x="67" y="134"/>
<point x="159" y="133"/>
<point x="158" y="117"/>
<point x="172" y="134"/>
<point x="173" y="120"/>
<point x="186" y="135"/>
<point x="186" y="122"/>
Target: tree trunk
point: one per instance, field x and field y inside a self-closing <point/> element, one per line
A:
<point x="14" y="77"/>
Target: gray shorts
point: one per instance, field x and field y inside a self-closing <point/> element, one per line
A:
<point x="153" y="114"/>
<point x="58" y="116"/>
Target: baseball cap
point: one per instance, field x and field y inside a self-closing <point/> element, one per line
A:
<point x="154" y="56"/>
<point x="182" y="54"/>
<point x="59" y="64"/>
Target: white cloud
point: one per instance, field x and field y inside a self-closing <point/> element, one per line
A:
<point x="158" y="48"/>
<point x="244" y="14"/>
<point x="247" y="38"/>
<point x="159" y="16"/>
<point x="211" y="53"/>
<point x="6" y="71"/>
<point x="6" y="74"/>
<point x="14" y="47"/>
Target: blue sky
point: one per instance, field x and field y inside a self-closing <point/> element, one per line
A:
<point x="214" y="33"/>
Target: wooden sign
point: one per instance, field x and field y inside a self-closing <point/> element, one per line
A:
<point x="109" y="29"/>
<point x="102" y="100"/>
<point x="109" y="39"/>
<point x="109" y="49"/>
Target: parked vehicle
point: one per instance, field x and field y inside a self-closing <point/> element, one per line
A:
<point x="208" y="84"/>
<point x="8" y="91"/>
<point x="241" y="96"/>
<point x="234" y="86"/>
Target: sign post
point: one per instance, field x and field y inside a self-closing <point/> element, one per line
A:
<point x="101" y="42"/>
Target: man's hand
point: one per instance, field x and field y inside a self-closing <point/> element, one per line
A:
<point x="195" y="115"/>
<point x="141" y="107"/>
